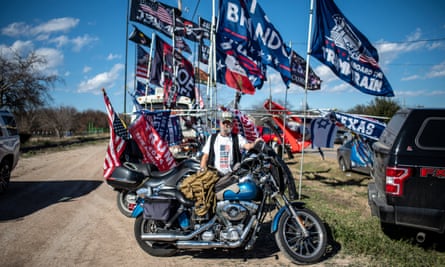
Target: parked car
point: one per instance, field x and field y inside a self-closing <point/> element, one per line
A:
<point x="9" y="147"/>
<point x="409" y="173"/>
<point x="355" y="159"/>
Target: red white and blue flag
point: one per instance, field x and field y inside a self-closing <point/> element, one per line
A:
<point x="154" y="149"/>
<point x="162" y="73"/>
<point x="230" y="72"/>
<point x="142" y="62"/>
<point x="246" y="23"/>
<point x="118" y="139"/>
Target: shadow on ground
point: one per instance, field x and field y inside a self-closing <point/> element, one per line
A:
<point x="24" y="198"/>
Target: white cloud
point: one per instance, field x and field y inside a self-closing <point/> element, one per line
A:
<point x="411" y="78"/>
<point x="101" y="80"/>
<point x="86" y="69"/>
<point x="16" y="29"/>
<point x="113" y="56"/>
<point x="23" y="48"/>
<point x="54" y="25"/>
<point x="54" y="58"/>
<point x="60" y="41"/>
<point x="413" y="42"/>
<point x="81" y="41"/>
<point x="437" y="71"/>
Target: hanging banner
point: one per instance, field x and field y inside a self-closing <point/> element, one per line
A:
<point x="360" y="125"/>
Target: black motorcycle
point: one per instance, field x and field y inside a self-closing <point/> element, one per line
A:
<point x="259" y="185"/>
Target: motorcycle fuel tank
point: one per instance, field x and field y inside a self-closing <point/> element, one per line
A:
<point x="247" y="191"/>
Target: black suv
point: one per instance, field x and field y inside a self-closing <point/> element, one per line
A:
<point x="408" y="172"/>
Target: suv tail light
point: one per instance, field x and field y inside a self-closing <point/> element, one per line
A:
<point x="395" y="177"/>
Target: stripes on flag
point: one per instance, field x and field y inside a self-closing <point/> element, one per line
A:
<point x="118" y="137"/>
<point x="157" y="10"/>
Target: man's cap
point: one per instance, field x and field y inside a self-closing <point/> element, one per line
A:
<point x="226" y="116"/>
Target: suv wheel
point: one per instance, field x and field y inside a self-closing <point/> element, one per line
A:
<point x="5" y="175"/>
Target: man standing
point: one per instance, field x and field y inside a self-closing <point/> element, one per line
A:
<point x="223" y="150"/>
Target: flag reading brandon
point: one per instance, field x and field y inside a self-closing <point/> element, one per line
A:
<point x="245" y="22"/>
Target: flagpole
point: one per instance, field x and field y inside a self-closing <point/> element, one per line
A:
<point x="153" y="41"/>
<point x="212" y="64"/>
<point x="308" y="54"/>
<point x="126" y="57"/>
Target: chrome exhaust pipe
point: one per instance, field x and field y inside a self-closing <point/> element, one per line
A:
<point x="208" y="244"/>
<point x="205" y="244"/>
<point x="172" y="237"/>
<point x="420" y="237"/>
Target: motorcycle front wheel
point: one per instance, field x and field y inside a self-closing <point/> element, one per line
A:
<point x="126" y="202"/>
<point x="292" y="242"/>
<point x="145" y="226"/>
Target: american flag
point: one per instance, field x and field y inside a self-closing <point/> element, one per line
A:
<point x="159" y="11"/>
<point x="142" y="62"/>
<point x="118" y="137"/>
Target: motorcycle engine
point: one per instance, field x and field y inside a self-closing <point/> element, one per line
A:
<point x="233" y="215"/>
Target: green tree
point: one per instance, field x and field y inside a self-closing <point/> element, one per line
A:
<point x="380" y="106"/>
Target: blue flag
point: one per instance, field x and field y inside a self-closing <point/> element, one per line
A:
<point x="361" y="154"/>
<point x="360" y="125"/>
<point x="245" y="22"/>
<point x="346" y="51"/>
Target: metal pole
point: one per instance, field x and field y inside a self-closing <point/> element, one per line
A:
<point x="305" y="93"/>
<point x="126" y="56"/>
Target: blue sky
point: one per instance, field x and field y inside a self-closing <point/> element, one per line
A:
<point x="84" y="43"/>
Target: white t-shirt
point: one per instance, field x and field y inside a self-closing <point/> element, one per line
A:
<point x="223" y="151"/>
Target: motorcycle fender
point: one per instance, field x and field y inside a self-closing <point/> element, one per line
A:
<point x="276" y="219"/>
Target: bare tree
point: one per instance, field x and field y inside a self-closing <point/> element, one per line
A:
<point x="23" y="85"/>
<point x="60" y="120"/>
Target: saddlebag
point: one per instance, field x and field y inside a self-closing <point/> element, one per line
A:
<point x="158" y="208"/>
<point x="129" y="176"/>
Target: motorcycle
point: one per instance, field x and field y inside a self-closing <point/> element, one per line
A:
<point x="256" y="187"/>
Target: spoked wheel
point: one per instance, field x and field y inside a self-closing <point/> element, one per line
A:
<point x="126" y="202"/>
<point x="299" y="248"/>
<point x="144" y="226"/>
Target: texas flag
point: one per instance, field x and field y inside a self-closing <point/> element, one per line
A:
<point x="230" y="72"/>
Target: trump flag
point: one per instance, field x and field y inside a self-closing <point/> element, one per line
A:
<point x="346" y="51"/>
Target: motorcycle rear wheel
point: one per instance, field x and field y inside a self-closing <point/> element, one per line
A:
<point x="126" y="201"/>
<point x="144" y="226"/>
<point x="296" y="247"/>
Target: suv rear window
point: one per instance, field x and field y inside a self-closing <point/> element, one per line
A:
<point x="431" y="134"/>
<point x="392" y="129"/>
<point x="10" y="125"/>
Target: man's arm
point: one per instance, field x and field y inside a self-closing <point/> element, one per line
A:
<point x="249" y="146"/>
<point x="204" y="160"/>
